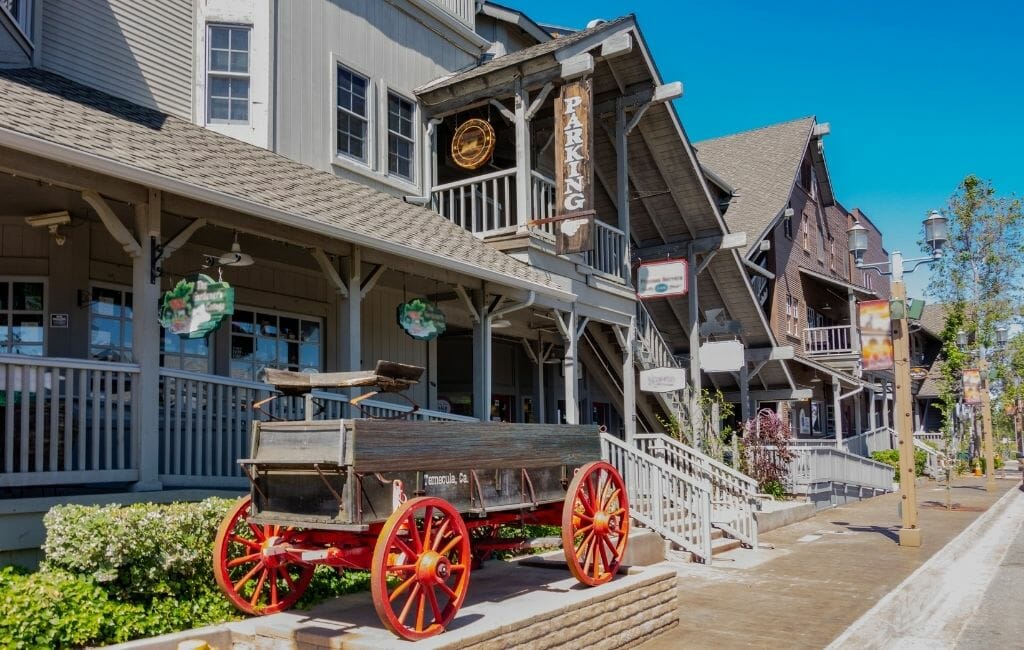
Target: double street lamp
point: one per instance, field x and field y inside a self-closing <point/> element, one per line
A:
<point x="935" y="233"/>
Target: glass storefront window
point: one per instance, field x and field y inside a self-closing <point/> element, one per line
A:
<point x="272" y="340"/>
<point x="21" y="317"/>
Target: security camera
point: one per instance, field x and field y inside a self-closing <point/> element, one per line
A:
<point x="49" y="220"/>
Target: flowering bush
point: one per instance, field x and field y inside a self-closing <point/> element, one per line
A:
<point x="138" y="551"/>
<point x="767" y="454"/>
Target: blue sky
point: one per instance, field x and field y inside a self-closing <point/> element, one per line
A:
<point x="918" y="94"/>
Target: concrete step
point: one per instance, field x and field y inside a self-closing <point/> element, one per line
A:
<point x="716" y="533"/>
<point x="724" y="544"/>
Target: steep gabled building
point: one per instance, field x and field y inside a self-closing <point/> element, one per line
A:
<point x="774" y="183"/>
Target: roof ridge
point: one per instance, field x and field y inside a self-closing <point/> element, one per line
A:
<point x="756" y="129"/>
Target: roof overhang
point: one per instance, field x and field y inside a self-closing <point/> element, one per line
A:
<point x="517" y="18"/>
<point x="836" y="375"/>
<point x="836" y="282"/>
<point x="62" y="154"/>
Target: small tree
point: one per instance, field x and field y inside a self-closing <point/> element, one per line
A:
<point x="766" y="449"/>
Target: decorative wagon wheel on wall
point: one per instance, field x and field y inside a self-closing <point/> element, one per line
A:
<point x="473" y="143"/>
<point x="420" y="570"/>
<point x="595" y="523"/>
<point x="249" y="572"/>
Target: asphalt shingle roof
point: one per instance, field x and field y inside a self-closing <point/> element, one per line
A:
<point x="761" y="165"/>
<point x="54" y="109"/>
<point x="933" y="319"/>
<point x="520" y="56"/>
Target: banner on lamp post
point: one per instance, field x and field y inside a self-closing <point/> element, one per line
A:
<point x="972" y="386"/>
<point x="875" y="335"/>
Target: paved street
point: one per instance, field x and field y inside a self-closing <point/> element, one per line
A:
<point x="823" y="574"/>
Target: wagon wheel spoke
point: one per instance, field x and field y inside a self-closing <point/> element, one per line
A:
<point x="412" y="609"/>
<point x="243" y="574"/>
<point x="595" y="523"/>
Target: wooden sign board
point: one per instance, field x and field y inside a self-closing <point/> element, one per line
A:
<point x="574" y="234"/>
<point x="573" y="147"/>
<point x="721" y="356"/>
<point x="662" y="279"/>
<point x="662" y="380"/>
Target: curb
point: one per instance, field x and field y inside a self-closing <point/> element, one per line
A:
<point x="921" y="608"/>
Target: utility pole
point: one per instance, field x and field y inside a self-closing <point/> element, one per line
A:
<point x="910" y="534"/>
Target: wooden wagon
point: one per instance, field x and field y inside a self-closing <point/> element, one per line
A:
<point x="416" y="503"/>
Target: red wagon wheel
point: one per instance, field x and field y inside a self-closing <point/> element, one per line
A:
<point x="595" y="523"/>
<point x="420" y="571"/>
<point x="249" y="572"/>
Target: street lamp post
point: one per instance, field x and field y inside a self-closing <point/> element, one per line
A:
<point x="935" y="235"/>
<point x="987" y="444"/>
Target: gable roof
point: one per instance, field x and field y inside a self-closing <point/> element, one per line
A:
<point x="933" y="319"/>
<point x="761" y="165"/>
<point x="515" y="17"/>
<point x="46" y="114"/>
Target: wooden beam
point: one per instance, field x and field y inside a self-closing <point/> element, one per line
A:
<point x="182" y="237"/>
<point x="112" y="223"/>
<point x="780" y="394"/>
<point x="371" y="281"/>
<point x="714" y="243"/>
<point x="332" y="274"/>
<point x="779" y="353"/>
<point x="23" y="165"/>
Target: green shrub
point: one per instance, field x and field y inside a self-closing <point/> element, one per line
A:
<point x="997" y="461"/>
<point x="139" y="551"/>
<point x="891" y="457"/>
<point x="774" y="488"/>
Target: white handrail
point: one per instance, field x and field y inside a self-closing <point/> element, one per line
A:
<point x="836" y="339"/>
<point x="813" y="466"/>
<point x="663" y="498"/>
<point x="466" y="182"/>
<point x="60" y="362"/>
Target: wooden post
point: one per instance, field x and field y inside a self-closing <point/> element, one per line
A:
<point x="523" y="181"/>
<point x="629" y="383"/>
<point x="986" y="429"/>
<point x="146" y="337"/>
<point x="696" y="419"/>
<point x="885" y="405"/>
<point x="872" y="417"/>
<point x="745" y="392"/>
<point x="858" y="425"/>
<point x="837" y="419"/>
<point x="910" y="534"/>
<point x="542" y="409"/>
<point x="622" y="184"/>
<point x="481" y="359"/>
<point x="571" y="366"/>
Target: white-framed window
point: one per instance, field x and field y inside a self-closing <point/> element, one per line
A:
<point x="401" y="136"/>
<point x="22" y="310"/>
<point x="262" y="338"/>
<point x="111" y="339"/>
<point x="831" y="252"/>
<point x="110" y="325"/>
<point x="228" y="74"/>
<point x="787" y="227"/>
<point x="814" y="184"/>
<point x="792" y="315"/>
<point x="867" y="281"/>
<point x="353" y="110"/>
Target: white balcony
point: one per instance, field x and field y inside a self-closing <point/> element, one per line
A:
<point x="485" y="206"/>
<point x="825" y="341"/>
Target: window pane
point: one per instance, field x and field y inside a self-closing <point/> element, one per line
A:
<point x="4" y="288"/>
<point x="219" y="109"/>
<point x="310" y="332"/>
<point x="266" y="324"/>
<point x="197" y="347"/>
<point x="241" y="371"/>
<point x="28" y="350"/>
<point x="4" y="332"/>
<point x="220" y="87"/>
<point x="195" y="364"/>
<point x="239" y="110"/>
<point x="106" y="302"/>
<point x="219" y="37"/>
<point x="240" y="89"/>
<point x="240" y="39"/>
<point x="289" y="328"/>
<point x="171" y="343"/>
<point x="289" y="353"/>
<point x="241" y="348"/>
<point x="170" y="361"/>
<point x="105" y="332"/>
<point x="266" y="350"/>
<point x="242" y="321"/>
<point x="28" y="296"/>
<point x="220" y="60"/>
<point x="309" y="356"/>
<point x="240" y="62"/>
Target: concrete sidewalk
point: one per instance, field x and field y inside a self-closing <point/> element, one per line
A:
<point x="823" y="573"/>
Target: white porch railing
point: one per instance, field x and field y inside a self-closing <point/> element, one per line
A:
<point x="866" y="443"/>
<point x="206" y="421"/>
<point x="66" y="421"/>
<point x="652" y="351"/>
<point x="486" y="205"/>
<point x="824" y="469"/>
<point x="668" y="501"/>
<point x="733" y="494"/>
<point x="935" y="460"/>
<point x="828" y="340"/>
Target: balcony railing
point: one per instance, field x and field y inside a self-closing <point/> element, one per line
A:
<point x="486" y="206"/>
<point x="828" y="340"/>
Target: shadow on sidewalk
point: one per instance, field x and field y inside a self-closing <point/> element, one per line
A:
<point x="892" y="532"/>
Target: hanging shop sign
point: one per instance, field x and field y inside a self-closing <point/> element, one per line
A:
<point x="721" y="356"/>
<point x="421" y="319"/>
<point x="918" y="373"/>
<point x="473" y="144"/>
<point x="662" y="279"/>
<point x="662" y="380"/>
<point x="875" y="335"/>
<point x="573" y="166"/>
<point x="972" y="386"/>
<point x="574" y="234"/>
<point x="196" y="306"/>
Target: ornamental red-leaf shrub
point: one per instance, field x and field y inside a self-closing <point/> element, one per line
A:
<point x="766" y="449"/>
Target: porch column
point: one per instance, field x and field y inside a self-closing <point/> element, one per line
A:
<point x="744" y="392"/>
<point x="872" y="418"/>
<point x="857" y="423"/>
<point x="350" y="318"/>
<point x="523" y="180"/>
<point x="627" y="341"/>
<point x="837" y="415"/>
<point x="885" y="404"/>
<point x="854" y="325"/>
<point x="696" y="421"/>
<point x="481" y="359"/>
<point x="146" y="337"/>
<point x="570" y="328"/>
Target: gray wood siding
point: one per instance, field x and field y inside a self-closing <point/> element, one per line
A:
<point x="384" y="339"/>
<point x="377" y="40"/>
<point x="464" y="10"/>
<point x="141" y="51"/>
